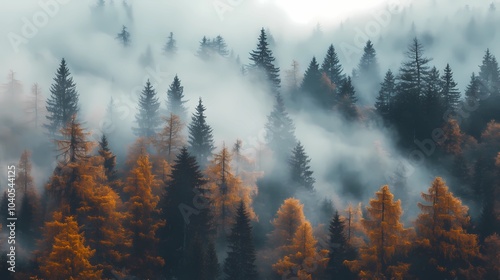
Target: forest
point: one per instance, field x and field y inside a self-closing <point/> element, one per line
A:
<point x="192" y="181"/>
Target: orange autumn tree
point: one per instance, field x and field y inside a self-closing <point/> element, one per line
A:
<point x="304" y="260"/>
<point x="388" y="240"/>
<point x="169" y="141"/>
<point x="442" y="239"/>
<point x="353" y="228"/>
<point x="141" y="220"/>
<point x="227" y="191"/>
<point x="68" y="256"/>
<point x="289" y="218"/>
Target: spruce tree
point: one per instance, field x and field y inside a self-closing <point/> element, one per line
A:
<point x="148" y="117"/>
<point x="205" y="48"/>
<point x="347" y="99"/>
<point x="63" y="101"/>
<point x="383" y="105"/>
<point x="211" y="267"/>
<point x="300" y="172"/>
<point x="368" y="71"/>
<point x="489" y="75"/>
<point x="109" y="159"/>
<point x="450" y="92"/>
<point x="433" y="102"/>
<point x="280" y="130"/>
<point x="339" y="250"/>
<point x="124" y="36"/>
<point x="312" y="84"/>
<point x="240" y="260"/>
<point x="170" y="48"/>
<point x="175" y="99"/>
<point x="200" y="141"/>
<point x="263" y="60"/>
<point x="332" y="68"/>
<point x="219" y="46"/>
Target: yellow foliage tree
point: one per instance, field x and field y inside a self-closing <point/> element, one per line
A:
<point x="354" y="229"/>
<point x="288" y="219"/>
<point x="442" y="238"/>
<point x="68" y="257"/>
<point x="304" y="261"/>
<point x="227" y="191"/>
<point x="169" y="141"/>
<point x="388" y="240"/>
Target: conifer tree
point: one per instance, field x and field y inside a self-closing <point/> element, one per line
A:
<point x="384" y="103"/>
<point x="170" y="48"/>
<point x="35" y="106"/>
<point x="450" y="92"/>
<point x="219" y="46"/>
<point x="142" y="220"/>
<point x="300" y="172"/>
<point x="27" y="223"/>
<point x="124" y="37"/>
<point x="211" y="267"/>
<point x="347" y="99"/>
<point x="339" y="250"/>
<point x="489" y="75"/>
<point x="74" y="145"/>
<point x="368" y="72"/>
<point x="205" y="49"/>
<point x="175" y="100"/>
<point x="170" y="139"/>
<point x="240" y="261"/>
<point x="472" y="92"/>
<point x="433" y="102"/>
<point x="148" y="116"/>
<point x="68" y="257"/>
<point x="293" y="79"/>
<point x="332" y="68"/>
<point x="109" y="159"/>
<point x="13" y="85"/>
<point x="63" y="101"/>
<point x="447" y="249"/>
<point x="200" y="140"/>
<point x="263" y="60"/>
<point x="280" y="129"/>
<point x="312" y="85"/>
<point x="289" y="218"/>
<point x="388" y="240"/>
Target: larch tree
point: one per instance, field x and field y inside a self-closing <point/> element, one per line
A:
<point x="293" y="79"/>
<point x="148" y="117"/>
<point x="354" y="229"/>
<point x="240" y="260"/>
<point x="27" y="223"/>
<point x="124" y="36"/>
<point x="175" y="99"/>
<point x="444" y="246"/>
<point x="388" y="240"/>
<point x="305" y="261"/>
<point x="200" y="139"/>
<point x="142" y="221"/>
<point x="263" y="60"/>
<point x="68" y="256"/>
<point x="74" y="145"/>
<point x="300" y="170"/>
<point x="170" y="140"/>
<point x="289" y="218"/>
<point x="35" y="106"/>
<point x="62" y="104"/>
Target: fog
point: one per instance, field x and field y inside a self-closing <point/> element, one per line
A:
<point x="362" y="154"/>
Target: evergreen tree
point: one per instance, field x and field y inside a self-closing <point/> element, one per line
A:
<point x="368" y="71"/>
<point x="124" y="37"/>
<point x="148" y="117"/>
<point x="433" y="102"/>
<point x="219" y="46"/>
<point x="472" y="92"/>
<point x="263" y="60"/>
<point x="347" y="99"/>
<point x="387" y="91"/>
<point x="185" y="220"/>
<point x="211" y="267"/>
<point x="63" y="101"/>
<point x="240" y="261"/>
<point x="339" y="250"/>
<point x="293" y="79"/>
<point x="489" y="75"/>
<point x="312" y="85"/>
<point x="280" y="130"/>
<point x="332" y="68"/>
<point x="205" y="48"/>
<point x="109" y="159"/>
<point x="26" y="193"/>
<point x="450" y="92"/>
<point x="200" y="140"/>
<point x="300" y="172"/>
<point x="170" y="48"/>
<point x="142" y="221"/>
<point x="175" y="100"/>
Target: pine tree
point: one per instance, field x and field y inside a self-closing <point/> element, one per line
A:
<point x="185" y="220"/>
<point x="142" y="220"/>
<point x="339" y="250"/>
<point x="68" y="257"/>
<point x="263" y="60"/>
<point x="347" y="99"/>
<point x="170" y="140"/>
<point x="200" y="140"/>
<point x="148" y="117"/>
<point x="175" y="100"/>
<point x="109" y="159"/>
<point x="384" y="103"/>
<point x="280" y="130"/>
<point x="389" y="240"/>
<point x="450" y="92"/>
<point x="304" y="259"/>
<point x="300" y="172"/>
<point x="63" y="101"/>
<point x="170" y="48"/>
<point x="240" y="261"/>
<point x="447" y="249"/>
<point x="124" y="37"/>
<point x="332" y="68"/>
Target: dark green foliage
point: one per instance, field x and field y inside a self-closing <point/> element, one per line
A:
<point x="339" y="250"/>
<point x="109" y="159"/>
<point x="240" y="261"/>
<point x="433" y="102"/>
<point x="280" y="130"/>
<point x="346" y="100"/>
<point x="175" y="100"/>
<point x="148" y="117"/>
<point x="211" y="267"/>
<point x="332" y="68"/>
<point x="449" y="90"/>
<point x="124" y="37"/>
<point x="313" y="87"/>
<point x="263" y="60"/>
<point x="367" y="77"/>
<point x="170" y="48"/>
<point x="63" y="101"/>
<point x="386" y="94"/>
<point x="300" y="171"/>
<point x="201" y="141"/>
